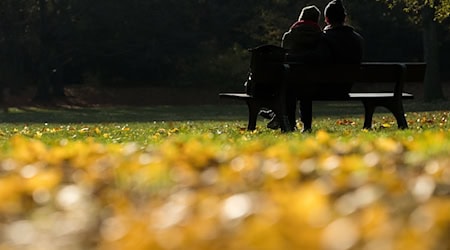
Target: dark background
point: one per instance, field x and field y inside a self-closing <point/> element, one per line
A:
<point x="173" y="43"/>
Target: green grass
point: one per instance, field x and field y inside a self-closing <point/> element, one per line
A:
<point x="153" y="125"/>
<point x="123" y="124"/>
<point x="195" y="178"/>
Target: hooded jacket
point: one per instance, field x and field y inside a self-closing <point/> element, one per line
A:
<point x="303" y="35"/>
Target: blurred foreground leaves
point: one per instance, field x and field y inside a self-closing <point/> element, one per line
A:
<point x="194" y="192"/>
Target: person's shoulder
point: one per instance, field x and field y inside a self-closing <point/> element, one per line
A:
<point x="306" y="25"/>
<point x="306" y="29"/>
<point x="329" y="30"/>
<point x="352" y="29"/>
<point x="355" y="33"/>
<point x="338" y="28"/>
<point x="345" y="28"/>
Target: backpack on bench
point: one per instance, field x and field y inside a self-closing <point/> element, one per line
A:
<point x="266" y="71"/>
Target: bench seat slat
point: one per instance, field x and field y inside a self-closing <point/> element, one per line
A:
<point x="235" y="95"/>
<point x="378" y="95"/>
<point x="357" y="96"/>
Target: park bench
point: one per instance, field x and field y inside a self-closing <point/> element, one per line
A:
<point x="396" y="74"/>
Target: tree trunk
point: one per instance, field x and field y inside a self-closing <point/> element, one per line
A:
<point x="432" y="82"/>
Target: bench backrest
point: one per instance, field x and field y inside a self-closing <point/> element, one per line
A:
<point x="336" y="73"/>
<point x="268" y="70"/>
<point x="415" y="71"/>
<point x="368" y="72"/>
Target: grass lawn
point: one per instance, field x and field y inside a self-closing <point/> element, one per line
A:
<point x="193" y="178"/>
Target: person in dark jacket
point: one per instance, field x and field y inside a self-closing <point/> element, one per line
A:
<point x="303" y="36"/>
<point x="344" y="43"/>
<point x="305" y="33"/>
<point x="340" y="44"/>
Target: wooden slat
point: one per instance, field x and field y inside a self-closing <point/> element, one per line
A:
<point x="235" y="95"/>
<point x="366" y="72"/>
<point x="357" y="96"/>
<point x="415" y="72"/>
<point x="378" y="95"/>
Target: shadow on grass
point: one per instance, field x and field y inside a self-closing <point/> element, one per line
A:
<point x="124" y="114"/>
<point x="223" y="112"/>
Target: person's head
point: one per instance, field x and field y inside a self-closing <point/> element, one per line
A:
<point x="310" y="13"/>
<point x="335" y="12"/>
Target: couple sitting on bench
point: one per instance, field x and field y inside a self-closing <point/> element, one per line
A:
<point x="305" y="42"/>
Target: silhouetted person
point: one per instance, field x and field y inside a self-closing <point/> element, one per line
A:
<point x="340" y="44"/>
<point x="304" y="35"/>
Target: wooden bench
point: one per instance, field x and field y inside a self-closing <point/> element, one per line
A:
<point x="396" y="74"/>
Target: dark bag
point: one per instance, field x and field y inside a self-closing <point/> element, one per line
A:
<point x="266" y="71"/>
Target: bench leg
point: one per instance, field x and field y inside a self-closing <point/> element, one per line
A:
<point x="283" y="118"/>
<point x="396" y="109"/>
<point x="286" y="104"/>
<point x="369" y="109"/>
<point x="394" y="106"/>
<point x="278" y="106"/>
<point x="253" y="109"/>
<point x="285" y="124"/>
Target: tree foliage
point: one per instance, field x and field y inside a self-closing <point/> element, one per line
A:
<point x="441" y="7"/>
<point x="174" y="43"/>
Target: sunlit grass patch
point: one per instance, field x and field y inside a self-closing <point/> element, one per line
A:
<point x="214" y="185"/>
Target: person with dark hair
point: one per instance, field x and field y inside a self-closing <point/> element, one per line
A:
<point x="345" y="44"/>
<point x="340" y="44"/>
